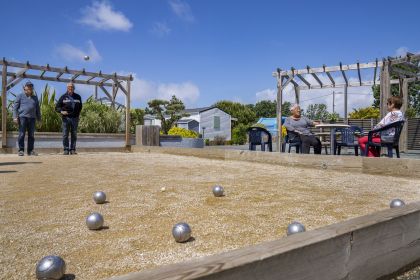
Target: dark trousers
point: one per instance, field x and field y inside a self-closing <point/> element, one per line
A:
<point x="70" y="125"/>
<point x="26" y="124"/>
<point x="308" y="141"/>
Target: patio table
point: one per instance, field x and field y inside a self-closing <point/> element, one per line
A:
<point x="331" y="126"/>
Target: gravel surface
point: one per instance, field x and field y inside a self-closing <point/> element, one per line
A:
<point x="44" y="201"/>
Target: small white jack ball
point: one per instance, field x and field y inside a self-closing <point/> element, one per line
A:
<point x="163" y="189"/>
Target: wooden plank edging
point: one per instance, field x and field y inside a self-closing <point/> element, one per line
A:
<point x="366" y="247"/>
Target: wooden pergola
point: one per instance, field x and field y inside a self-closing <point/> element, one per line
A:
<point x="402" y="67"/>
<point x="14" y="72"/>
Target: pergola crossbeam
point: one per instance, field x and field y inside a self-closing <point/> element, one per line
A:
<point x="358" y="73"/>
<point x="304" y="80"/>
<point x="317" y="79"/>
<point x="18" y="74"/>
<point x="63" y="70"/>
<point x="64" y="80"/>
<point x="331" y="79"/>
<point x="344" y="74"/>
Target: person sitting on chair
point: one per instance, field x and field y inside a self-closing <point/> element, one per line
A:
<point x="394" y="104"/>
<point x="300" y="125"/>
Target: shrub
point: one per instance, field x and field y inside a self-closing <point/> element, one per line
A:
<point x="100" y="118"/>
<point x="219" y="140"/>
<point x="239" y="134"/>
<point x="365" y="113"/>
<point x="185" y="133"/>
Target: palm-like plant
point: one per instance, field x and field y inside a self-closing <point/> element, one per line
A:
<point x="50" y="120"/>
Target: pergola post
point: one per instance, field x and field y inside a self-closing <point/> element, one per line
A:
<point x="404" y="132"/>
<point x="4" y="105"/>
<point x="127" y="114"/>
<point x="345" y="104"/>
<point x="279" y="103"/>
<point x="297" y="94"/>
<point x="385" y="87"/>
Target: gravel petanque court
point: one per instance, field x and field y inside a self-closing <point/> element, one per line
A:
<point x="45" y="200"/>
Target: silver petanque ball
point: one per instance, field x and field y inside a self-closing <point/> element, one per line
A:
<point x="218" y="191"/>
<point x="181" y="232"/>
<point x="95" y="221"/>
<point x="99" y="197"/>
<point x="86" y="57"/>
<point x="295" y="227"/>
<point x="396" y="203"/>
<point x="51" y="268"/>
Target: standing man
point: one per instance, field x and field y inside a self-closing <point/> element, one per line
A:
<point x="69" y="106"/>
<point x="25" y="112"/>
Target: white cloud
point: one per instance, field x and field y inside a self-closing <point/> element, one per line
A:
<point x="182" y="10"/>
<point x="160" y="29"/>
<point x="102" y="16"/>
<point x="71" y="53"/>
<point x="401" y="51"/>
<point x="266" y="94"/>
<point x="143" y="91"/>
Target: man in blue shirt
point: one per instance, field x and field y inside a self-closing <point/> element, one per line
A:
<point x="69" y="106"/>
<point x="25" y="113"/>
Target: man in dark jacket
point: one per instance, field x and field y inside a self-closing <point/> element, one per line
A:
<point x="25" y="112"/>
<point x="69" y="106"/>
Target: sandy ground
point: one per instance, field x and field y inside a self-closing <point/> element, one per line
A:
<point x="44" y="201"/>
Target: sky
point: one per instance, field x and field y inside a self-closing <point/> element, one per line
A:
<point x="204" y="51"/>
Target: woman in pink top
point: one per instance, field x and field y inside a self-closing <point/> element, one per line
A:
<point x="394" y="104"/>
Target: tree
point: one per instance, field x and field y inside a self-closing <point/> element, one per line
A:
<point x="243" y="113"/>
<point x="268" y="109"/>
<point x="137" y="118"/>
<point x="317" y="112"/>
<point x="169" y="112"/>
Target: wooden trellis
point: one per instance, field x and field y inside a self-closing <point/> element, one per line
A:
<point x="401" y="67"/>
<point x="65" y="75"/>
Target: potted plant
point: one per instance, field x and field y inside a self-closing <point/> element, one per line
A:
<point x="333" y="117"/>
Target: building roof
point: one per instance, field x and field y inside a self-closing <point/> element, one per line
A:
<point x="186" y="121"/>
<point x="198" y="110"/>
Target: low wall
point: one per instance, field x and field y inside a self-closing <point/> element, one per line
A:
<point x="180" y="142"/>
<point x="368" y="247"/>
<point x="53" y="140"/>
<point x="380" y="166"/>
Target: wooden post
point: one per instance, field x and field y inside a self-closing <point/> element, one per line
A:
<point x="404" y="132"/>
<point x="127" y="115"/>
<point x="4" y="105"/>
<point x="279" y="101"/>
<point x="345" y="105"/>
<point x="297" y="94"/>
<point x="385" y="87"/>
<point x="96" y="92"/>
